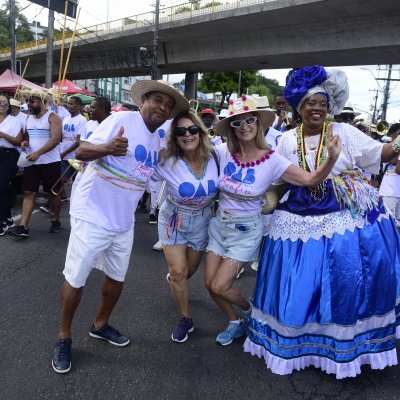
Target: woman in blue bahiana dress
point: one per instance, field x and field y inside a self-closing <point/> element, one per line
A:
<point x="328" y="283"/>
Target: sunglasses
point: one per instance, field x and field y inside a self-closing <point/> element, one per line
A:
<point x="238" y="123"/>
<point x="180" y="130"/>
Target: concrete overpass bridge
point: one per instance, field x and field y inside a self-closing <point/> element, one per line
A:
<point x="239" y="34"/>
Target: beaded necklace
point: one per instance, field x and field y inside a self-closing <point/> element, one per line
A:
<point x="318" y="192"/>
<point x="252" y="163"/>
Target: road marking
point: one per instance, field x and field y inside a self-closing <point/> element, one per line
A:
<point x="18" y="217"/>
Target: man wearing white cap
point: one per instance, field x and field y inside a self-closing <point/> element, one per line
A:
<point x="124" y="151"/>
<point x="16" y="112"/>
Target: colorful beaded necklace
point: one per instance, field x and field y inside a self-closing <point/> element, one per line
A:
<point x="252" y="163"/>
<point x="318" y="192"/>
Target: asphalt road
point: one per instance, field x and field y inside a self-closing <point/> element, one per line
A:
<point x="152" y="366"/>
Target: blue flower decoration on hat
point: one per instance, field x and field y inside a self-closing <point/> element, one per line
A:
<point x="299" y="81"/>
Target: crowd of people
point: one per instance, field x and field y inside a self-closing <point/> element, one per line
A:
<point x="282" y="189"/>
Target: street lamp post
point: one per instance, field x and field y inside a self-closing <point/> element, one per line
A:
<point x="154" y="69"/>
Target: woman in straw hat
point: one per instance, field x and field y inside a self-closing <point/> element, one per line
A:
<point x="10" y="138"/>
<point x="191" y="173"/>
<point x="328" y="276"/>
<point x="247" y="168"/>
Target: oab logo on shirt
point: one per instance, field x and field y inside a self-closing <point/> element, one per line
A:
<point x="187" y="189"/>
<point x="248" y="177"/>
<point x="146" y="161"/>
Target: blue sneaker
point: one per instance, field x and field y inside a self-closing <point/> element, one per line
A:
<point x="233" y="331"/>
<point x="61" y="361"/>
<point x="107" y="332"/>
<point x="180" y="333"/>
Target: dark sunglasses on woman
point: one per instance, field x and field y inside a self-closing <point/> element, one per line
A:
<point x="181" y="130"/>
<point x="238" y="123"/>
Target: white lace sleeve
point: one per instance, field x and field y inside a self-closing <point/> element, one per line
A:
<point x="365" y="152"/>
<point x="287" y="146"/>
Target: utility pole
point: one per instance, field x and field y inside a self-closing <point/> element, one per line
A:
<point x="12" y="33"/>
<point x="386" y="93"/>
<point x="49" y="50"/>
<point x="154" y="69"/>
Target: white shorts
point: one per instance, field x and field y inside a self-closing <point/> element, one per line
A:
<point x="91" y="246"/>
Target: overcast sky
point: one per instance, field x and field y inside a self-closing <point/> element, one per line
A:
<point x="362" y="82"/>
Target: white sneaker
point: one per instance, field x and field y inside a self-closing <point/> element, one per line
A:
<point x="157" y="246"/>
<point x="254" y="265"/>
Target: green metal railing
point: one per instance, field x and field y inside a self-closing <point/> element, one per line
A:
<point x="168" y="14"/>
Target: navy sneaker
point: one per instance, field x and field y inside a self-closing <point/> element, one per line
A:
<point x="61" y="361"/>
<point x="107" y="332"/>
<point x="180" y="333"/>
<point x="55" y="226"/>
<point x="20" y="231"/>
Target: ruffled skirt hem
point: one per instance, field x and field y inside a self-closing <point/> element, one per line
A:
<point x="282" y="366"/>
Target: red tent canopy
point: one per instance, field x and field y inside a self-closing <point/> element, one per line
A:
<point x="10" y="81"/>
<point x="68" y="87"/>
<point x="89" y="93"/>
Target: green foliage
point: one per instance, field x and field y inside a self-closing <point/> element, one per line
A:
<point x="196" y="5"/>
<point x="22" y="29"/>
<point x="266" y="87"/>
<point x="226" y="83"/>
<point x="252" y="82"/>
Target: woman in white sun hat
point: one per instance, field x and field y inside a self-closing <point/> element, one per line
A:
<point x="247" y="168"/>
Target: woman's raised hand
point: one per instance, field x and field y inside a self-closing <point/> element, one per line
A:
<point x="333" y="143"/>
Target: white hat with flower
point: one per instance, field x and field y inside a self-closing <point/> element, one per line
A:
<point x="243" y="105"/>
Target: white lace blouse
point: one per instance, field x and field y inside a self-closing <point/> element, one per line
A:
<point x="358" y="150"/>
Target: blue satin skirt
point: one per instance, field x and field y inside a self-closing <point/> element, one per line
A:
<point x="332" y="298"/>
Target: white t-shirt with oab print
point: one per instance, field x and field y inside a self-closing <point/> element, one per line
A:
<point x="111" y="187"/>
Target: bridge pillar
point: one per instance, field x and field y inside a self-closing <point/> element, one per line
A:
<point x="190" y="85"/>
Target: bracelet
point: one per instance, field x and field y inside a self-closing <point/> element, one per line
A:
<point x="396" y="145"/>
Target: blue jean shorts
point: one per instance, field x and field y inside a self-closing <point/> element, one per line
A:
<point x="180" y="226"/>
<point x="235" y="237"/>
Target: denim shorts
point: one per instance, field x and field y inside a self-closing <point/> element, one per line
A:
<point x="180" y="226"/>
<point x="235" y="237"/>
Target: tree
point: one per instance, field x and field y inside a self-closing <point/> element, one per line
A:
<point x="266" y="87"/>
<point x="22" y="29"/>
<point x="226" y="83"/>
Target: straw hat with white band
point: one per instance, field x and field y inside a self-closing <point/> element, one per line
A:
<point x="140" y="88"/>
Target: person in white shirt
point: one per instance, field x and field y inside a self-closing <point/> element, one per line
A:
<point x="100" y="109"/>
<point x="17" y="113"/>
<point x="209" y="119"/>
<point x="123" y="152"/>
<point x="43" y="135"/>
<point x="190" y="173"/>
<point x="247" y="168"/>
<point x="390" y="186"/>
<point x="53" y="101"/>
<point x="11" y="135"/>
<point x="283" y="119"/>
<point x="73" y="127"/>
